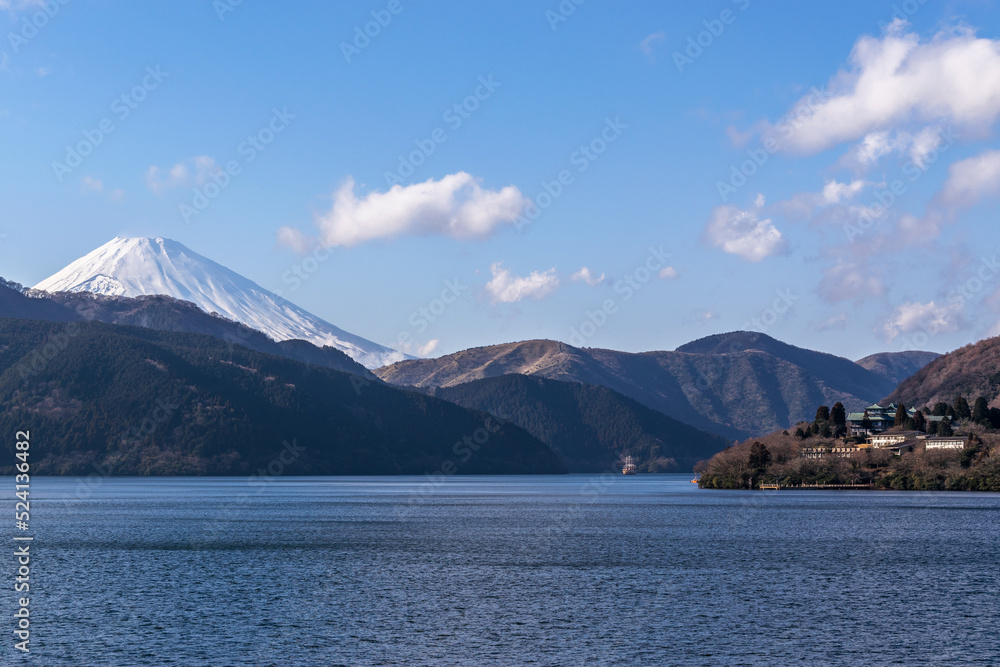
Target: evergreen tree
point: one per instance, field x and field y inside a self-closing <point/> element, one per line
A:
<point x="838" y="415"/>
<point x="932" y="428"/>
<point x="981" y="411"/>
<point x="822" y="414"/>
<point x="901" y="416"/>
<point x="940" y="409"/>
<point x="919" y="421"/>
<point x="962" y="409"/>
<point x="944" y="429"/>
<point x="759" y="457"/>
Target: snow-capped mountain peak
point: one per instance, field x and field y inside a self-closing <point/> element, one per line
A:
<point x="144" y="266"/>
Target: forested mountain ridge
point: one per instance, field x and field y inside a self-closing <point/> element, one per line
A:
<point x="137" y="401"/>
<point x="589" y="427"/>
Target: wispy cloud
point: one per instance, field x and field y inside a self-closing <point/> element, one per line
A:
<point x="930" y="317"/>
<point x="669" y="273"/>
<point x="585" y="275"/>
<point x="419" y="349"/>
<point x="13" y="5"/>
<point x="835" y="322"/>
<point x="972" y="180"/>
<point x="91" y="184"/>
<point x="851" y="279"/>
<point x="192" y="172"/>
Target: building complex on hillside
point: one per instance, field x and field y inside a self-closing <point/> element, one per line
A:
<point x="880" y="419"/>
<point x="876" y="425"/>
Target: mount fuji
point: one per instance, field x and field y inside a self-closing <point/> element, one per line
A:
<point x="146" y="266"/>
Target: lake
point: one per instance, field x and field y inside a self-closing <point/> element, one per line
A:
<point x="550" y="570"/>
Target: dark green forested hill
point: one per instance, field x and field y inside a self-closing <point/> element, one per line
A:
<point x="588" y="426"/>
<point x="142" y="402"/>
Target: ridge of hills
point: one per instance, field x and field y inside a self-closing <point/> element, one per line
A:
<point x="734" y="385"/>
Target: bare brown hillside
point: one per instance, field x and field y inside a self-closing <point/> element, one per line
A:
<point x="972" y="371"/>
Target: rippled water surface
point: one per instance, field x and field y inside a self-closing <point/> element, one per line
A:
<point x="503" y="570"/>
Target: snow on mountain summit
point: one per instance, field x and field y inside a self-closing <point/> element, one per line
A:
<point x="145" y="266"/>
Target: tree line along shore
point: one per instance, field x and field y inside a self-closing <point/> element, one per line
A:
<point x="828" y="452"/>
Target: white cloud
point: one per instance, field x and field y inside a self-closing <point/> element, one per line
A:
<point x="646" y="45"/>
<point x="972" y="180"/>
<point x="43" y="71"/>
<point x="506" y="288"/>
<point x="743" y="233"/>
<point x="929" y="317"/>
<point x="191" y="172"/>
<point x="585" y="275"/>
<point x="953" y="77"/>
<point x="669" y="273"/>
<point x="90" y="184"/>
<point x="455" y="206"/>
<point x="116" y="195"/>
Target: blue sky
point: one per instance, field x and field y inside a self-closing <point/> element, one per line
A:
<point x="796" y="251"/>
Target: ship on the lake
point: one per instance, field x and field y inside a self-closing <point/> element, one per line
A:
<point x="630" y="467"/>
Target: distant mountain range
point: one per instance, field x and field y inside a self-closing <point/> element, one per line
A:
<point x="971" y="371"/>
<point x="562" y="407"/>
<point x="146" y="266"/>
<point x="734" y="385"/>
<point x="132" y="401"/>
